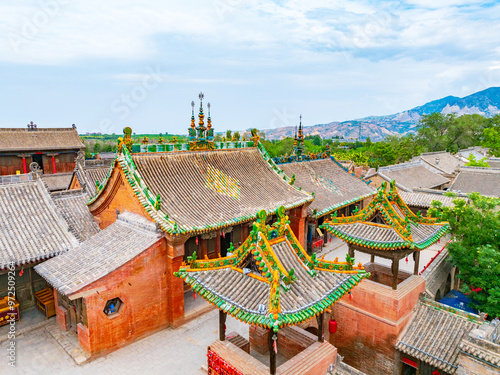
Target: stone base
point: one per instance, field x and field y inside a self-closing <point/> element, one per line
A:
<point x="316" y="359"/>
<point x="370" y="322"/>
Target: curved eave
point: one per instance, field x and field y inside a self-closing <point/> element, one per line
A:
<point x="335" y="207"/>
<point x="266" y="320"/>
<point x="104" y="183"/>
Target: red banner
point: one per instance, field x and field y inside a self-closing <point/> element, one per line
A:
<point x="218" y="366"/>
<point x="409" y="362"/>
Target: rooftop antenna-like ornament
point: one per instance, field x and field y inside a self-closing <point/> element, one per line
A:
<point x="193" y="125"/>
<point x="209" y="120"/>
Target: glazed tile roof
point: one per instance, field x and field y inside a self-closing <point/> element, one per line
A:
<point x="332" y="185"/>
<point x="57" y="181"/>
<point x="103" y="253"/>
<point x="401" y="228"/>
<point x="206" y="190"/>
<point x="73" y="207"/>
<point x="435" y="333"/>
<point x="412" y="175"/>
<point x="31" y="227"/>
<point x="270" y="280"/>
<point x="49" y="139"/>
<point x="442" y="160"/>
<point x="485" y="181"/>
<point x="424" y="200"/>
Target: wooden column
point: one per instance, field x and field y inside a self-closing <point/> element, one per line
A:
<point x="372" y="258"/>
<point x="222" y="325"/>
<point x="351" y="251"/>
<point x="319" y="318"/>
<point x="416" y="258"/>
<point x="395" y="272"/>
<point x="272" y="353"/>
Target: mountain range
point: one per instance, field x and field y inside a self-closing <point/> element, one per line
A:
<point x="485" y="103"/>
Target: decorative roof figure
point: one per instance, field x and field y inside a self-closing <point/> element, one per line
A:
<point x="263" y="291"/>
<point x="201" y="137"/>
<point x="298" y="147"/>
<point x="388" y="228"/>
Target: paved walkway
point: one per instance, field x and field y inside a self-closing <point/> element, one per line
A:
<point x="180" y="351"/>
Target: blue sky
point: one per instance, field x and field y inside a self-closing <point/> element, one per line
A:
<point x="104" y="65"/>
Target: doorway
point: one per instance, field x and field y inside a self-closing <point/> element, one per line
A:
<point x="38" y="158"/>
<point x="225" y="242"/>
<point x="408" y="370"/>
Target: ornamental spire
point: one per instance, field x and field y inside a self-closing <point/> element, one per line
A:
<point x="193" y="125"/>
<point x="209" y="120"/>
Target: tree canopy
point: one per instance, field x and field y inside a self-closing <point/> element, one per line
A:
<point x="475" y="247"/>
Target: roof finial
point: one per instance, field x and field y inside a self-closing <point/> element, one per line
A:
<point x="193" y="125"/>
<point x="209" y="120"/>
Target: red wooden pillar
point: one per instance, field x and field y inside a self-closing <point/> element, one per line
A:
<point x="24" y="164"/>
<point x="175" y="285"/>
<point x="297" y="218"/>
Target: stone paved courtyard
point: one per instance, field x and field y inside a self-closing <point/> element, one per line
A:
<point x="171" y="351"/>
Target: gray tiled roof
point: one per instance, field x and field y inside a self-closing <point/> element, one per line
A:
<point x="88" y="172"/>
<point x="412" y="175"/>
<point x="441" y="160"/>
<point x="57" y="181"/>
<point x="48" y="139"/>
<point x="73" y="207"/>
<point x="485" y="181"/>
<point x="434" y="336"/>
<point x="332" y="186"/>
<point x="31" y="227"/>
<point x="215" y="187"/>
<point x="424" y="200"/>
<point x="103" y="253"/>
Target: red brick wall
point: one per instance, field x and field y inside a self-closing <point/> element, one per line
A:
<point x="117" y="195"/>
<point x="142" y="286"/>
<point x="369" y="323"/>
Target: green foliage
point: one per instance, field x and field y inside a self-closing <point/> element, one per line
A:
<point x="438" y="132"/>
<point x="236" y="136"/>
<point x="475" y="248"/>
<point x="229" y="134"/>
<point x="477" y="163"/>
<point x="491" y="140"/>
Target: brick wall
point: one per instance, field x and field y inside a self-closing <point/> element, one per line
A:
<point x="117" y="195"/>
<point x="370" y="322"/>
<point x="141" y="284"/>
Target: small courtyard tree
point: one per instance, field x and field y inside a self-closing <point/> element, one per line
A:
<point x="475" y="247"/>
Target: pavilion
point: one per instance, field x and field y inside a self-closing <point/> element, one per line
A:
<point x="387" y="228"/>
<point x="271" y="282"/>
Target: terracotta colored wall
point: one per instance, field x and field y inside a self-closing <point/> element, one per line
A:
<point x="141" y="284"/>
<point x="369" y="323"/>
<point x="10" y="164"/>
<point x="297" y="218"/>
<point x="117" y="195"/>
<point x="61" y="313"/>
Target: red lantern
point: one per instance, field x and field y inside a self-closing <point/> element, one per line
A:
<point x="332" y="326"/>
<point x="406" y="259"/>
<point x="197" y="240"/>
<point x="21" y="272"/>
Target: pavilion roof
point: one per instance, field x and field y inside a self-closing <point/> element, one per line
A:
<point x="332" y="185"/>
<point x="401" y="228"/>
<point x="270" y="281"/>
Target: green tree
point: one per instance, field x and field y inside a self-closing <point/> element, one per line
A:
<point x="382" y="154"/>
<point x="477" y="163"/>
<point x="229" y="135"/>
<point x="491" y="140"/>
<point x="97" y="148"/>
<point x="475" y="247"/>
<point x="236" y="136"/>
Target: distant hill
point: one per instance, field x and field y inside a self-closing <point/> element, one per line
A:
<point x="485" y="103"/>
